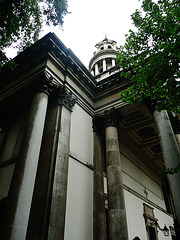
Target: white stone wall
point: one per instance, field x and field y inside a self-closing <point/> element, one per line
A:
<point x="142" y="183"/>
<point x="79" y="210"/>
<point x="136" y="221"/>
<point x="81" y="140"/>
<point x="163" y="219"/>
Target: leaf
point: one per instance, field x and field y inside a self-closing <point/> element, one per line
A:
<point x="21" y="21"/>
<point x="151" y="55"/>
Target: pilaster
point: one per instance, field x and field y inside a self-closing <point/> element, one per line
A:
<point x="65" y="101"/>
<point x="99" y="221"/>
<point x="63" y="97"/>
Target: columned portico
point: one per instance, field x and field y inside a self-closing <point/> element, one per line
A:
<point x="21" y="191"/>
<point x="48" y="167"/>
<point x="116" y="204"/>
<point x="171" y="156"/>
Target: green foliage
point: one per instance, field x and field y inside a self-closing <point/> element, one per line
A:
<point x="21" y="21"/>
<point x="172" y="171"/>
<point x="151" y="55"/>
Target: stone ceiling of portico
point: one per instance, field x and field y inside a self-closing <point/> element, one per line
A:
<point x="137" y="130"/>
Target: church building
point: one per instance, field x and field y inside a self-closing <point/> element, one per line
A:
<point x="78" y="163"/>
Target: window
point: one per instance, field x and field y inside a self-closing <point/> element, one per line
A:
<point x="150" y="222"/>
<point x="152" y="233"/>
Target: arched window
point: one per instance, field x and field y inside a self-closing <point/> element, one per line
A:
<point x="109" y="47"/>
<point x="102" y="48"/>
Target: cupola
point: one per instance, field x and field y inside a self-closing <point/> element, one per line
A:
<point x="104" y="57"/>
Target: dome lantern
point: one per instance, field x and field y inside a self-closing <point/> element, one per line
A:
<point x="104" y="57"/>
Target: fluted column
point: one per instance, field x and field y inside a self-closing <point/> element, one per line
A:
<point x="59" y="189"/>
<point x="21" y="191"/>
<point x="99" y="222"/>
<point x="171" y="156"/>
<point x="116" y="203"/>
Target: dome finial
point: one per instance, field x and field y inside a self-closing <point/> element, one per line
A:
<point x="105" y="36"/>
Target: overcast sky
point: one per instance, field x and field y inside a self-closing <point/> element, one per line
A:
<point x="90" y="20"/>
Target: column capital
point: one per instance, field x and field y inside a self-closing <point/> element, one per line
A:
<point x="109" y="118"/>
<point x="64" y="97"/>
<point x="112" y="117"/>
<point x="44" y="83"/>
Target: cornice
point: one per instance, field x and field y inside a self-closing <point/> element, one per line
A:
<point x="113" y="81"/>
<point x="34" y="59"/>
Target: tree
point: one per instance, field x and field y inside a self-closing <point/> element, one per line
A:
<point x="21" y="22"/>
<point x="151" y="55"/>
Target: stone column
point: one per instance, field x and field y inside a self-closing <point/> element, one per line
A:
<point x="99" y="223"/>
<point x="96" y="69"/>
<point x="39" y="216"/>
<point x="22" y="186"/>
<point x="171" y="156"/>
<point x="104" y="65"/>
<point x="116" y="203"/>
<point x="59" y="190"/>
<point x="177" y="135"/>
<point x="177" y="131"/>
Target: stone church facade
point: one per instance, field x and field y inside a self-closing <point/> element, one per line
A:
<point x="78" y="163"/>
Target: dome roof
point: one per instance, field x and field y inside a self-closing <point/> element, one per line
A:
<point x="105" y="41"/>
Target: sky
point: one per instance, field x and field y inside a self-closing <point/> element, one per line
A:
<point x="90" y="21"/>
